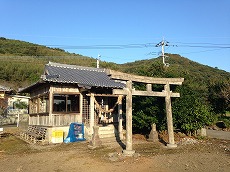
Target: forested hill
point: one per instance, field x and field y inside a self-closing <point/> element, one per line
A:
<point x="22" y="63"/>
<point x="9" y="47"/>
<point x="178" y="67"/>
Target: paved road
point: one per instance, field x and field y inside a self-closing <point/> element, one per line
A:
<point x="218" y="134"/>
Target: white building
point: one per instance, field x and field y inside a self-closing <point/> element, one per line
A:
<point x="13" y="100"/>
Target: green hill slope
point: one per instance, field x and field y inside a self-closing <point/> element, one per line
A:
<point x="196" y="75"/>
<point x="22" y="63"/>
<point x="9" y="47"/>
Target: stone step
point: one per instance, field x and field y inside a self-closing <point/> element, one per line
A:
<point x="107" y="131"/>
<point x="110" y="135"/>
<point x="109" y="127"/>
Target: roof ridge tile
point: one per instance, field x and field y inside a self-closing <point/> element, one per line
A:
<point x="75" y="67"/>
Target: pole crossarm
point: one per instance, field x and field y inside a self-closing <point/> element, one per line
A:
<point x="143" y="79"/>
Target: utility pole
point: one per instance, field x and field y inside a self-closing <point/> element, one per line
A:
<point x="98" y="60"/>
<point x="162" y="44"/>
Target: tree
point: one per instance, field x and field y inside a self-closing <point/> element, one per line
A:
<point x="219" y="96"/>
<point x="20" y="105"/>
<point x="146" y="111"/>
<point x="191" y="112"/>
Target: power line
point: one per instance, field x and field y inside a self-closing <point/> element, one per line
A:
<point x="140" y="45"/>
<point x="202" y="45"/>
<point x="111" y="46"/>
<point x="205" y="43"/>
<point x="163" y="44"/>
<point x="202" y="51"/>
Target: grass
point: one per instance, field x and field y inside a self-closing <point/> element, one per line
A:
<point x="228" y="113"/>
<point x="12" y="145"/>
<point x="225" y="120"/>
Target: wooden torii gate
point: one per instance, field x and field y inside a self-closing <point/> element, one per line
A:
<point x="129" y="92"/>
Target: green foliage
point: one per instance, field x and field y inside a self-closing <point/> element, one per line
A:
<point x="20" y="105"/>
<point x="191" y="112"/>
<point x="22" y="63"/>
<point x="219" y="96"/>
<point x="146" y="111"/>
<point x="22" y="48"/>
<point x="225" y="120"/>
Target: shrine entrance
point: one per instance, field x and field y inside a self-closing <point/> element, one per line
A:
<point x="128" y="91"/>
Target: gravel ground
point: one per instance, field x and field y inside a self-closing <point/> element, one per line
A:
<point x="190" y="155"/>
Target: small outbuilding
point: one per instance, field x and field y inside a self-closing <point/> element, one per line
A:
<point x="68" y="94"/>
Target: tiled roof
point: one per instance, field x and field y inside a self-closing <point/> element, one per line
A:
<point x="3" y="88"/>
<point x="83" y="76"/>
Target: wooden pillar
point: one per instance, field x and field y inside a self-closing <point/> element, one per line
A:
<point x="30" y="120"/>
<point x="38" y="110"/>
<point x="128" y="151"/>
<point x="30" y="110"/>
<point x="106" y="107"/>
<point x="91" y="116"/>
<point x="120" y="130"/>
<point x="171" y="143"/>
<point x="50" y="106"/>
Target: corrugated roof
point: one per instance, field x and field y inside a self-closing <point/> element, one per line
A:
<point x="86" y="76"/>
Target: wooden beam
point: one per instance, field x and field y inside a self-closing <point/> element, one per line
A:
<point x="120" y="91"/>
<point x="143" y="79"/>
<point x="103" y="95"/>
<point x="145" y="93"/>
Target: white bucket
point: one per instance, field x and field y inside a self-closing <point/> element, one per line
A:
<point x="80" y="136"/>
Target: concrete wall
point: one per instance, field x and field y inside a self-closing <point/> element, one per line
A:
<point x="57" y="139"/>
<point x="12" y="119"/>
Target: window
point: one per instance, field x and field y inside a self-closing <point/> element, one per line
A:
<point x="44" y="104"/>
<point x="66" y="103"/>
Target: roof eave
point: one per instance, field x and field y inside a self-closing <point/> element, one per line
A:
<point x="27" y="89"/>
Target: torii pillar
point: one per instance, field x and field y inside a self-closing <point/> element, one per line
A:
<point x="168" y="107"/>
<point x="129" y="143"/>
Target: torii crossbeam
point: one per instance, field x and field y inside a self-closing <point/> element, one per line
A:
<point x="129" y="92"/>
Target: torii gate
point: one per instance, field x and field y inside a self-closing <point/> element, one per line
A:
<point x="129" y="92"/>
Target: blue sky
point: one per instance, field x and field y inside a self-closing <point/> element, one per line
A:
<point x="196" y="29"/>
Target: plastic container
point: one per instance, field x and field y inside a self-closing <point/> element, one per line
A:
<point x="57" y="136"/>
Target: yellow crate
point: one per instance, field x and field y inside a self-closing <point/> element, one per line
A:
<point x="57" y="134"/>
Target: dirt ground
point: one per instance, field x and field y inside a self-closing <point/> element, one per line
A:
<point x="190" y="155"/>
